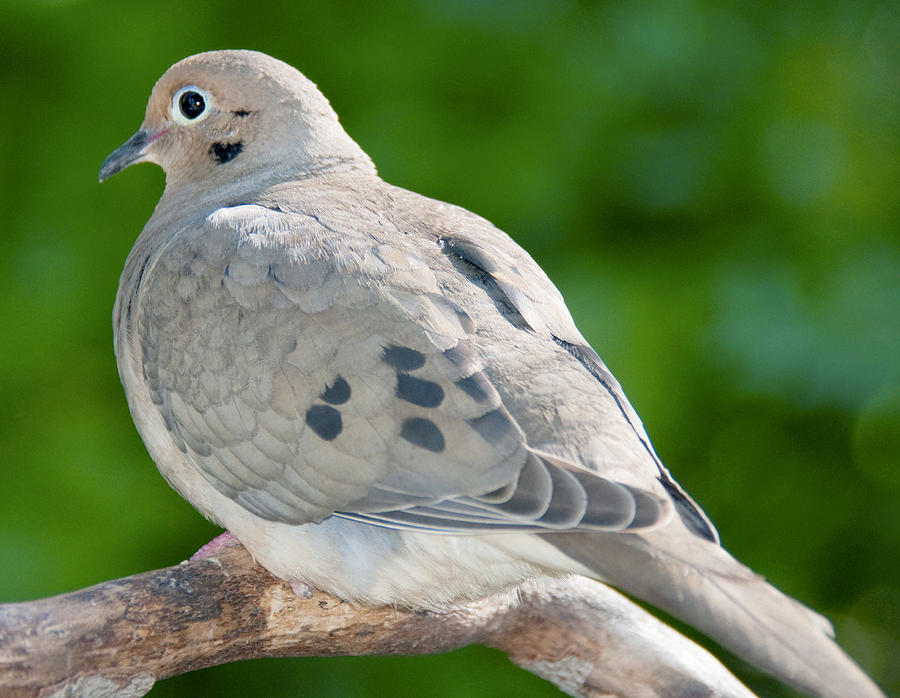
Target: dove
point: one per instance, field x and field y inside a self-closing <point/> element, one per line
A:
<point x="383" y="396"/>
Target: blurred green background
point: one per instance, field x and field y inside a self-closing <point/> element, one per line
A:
<point x="713" y="186"/>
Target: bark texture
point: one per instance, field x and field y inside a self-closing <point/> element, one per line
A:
<point x="119" y="637"/>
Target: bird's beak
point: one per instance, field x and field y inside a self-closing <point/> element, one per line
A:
<point x="129" y="153"/>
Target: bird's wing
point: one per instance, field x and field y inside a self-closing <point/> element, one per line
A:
<point x="307" y="371"/>
<point x="527" y="289"/>
<point x="691" y="578"/>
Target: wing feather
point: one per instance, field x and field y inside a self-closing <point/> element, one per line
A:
<point x="342" y="381"/>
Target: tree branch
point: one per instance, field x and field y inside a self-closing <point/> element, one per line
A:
<point x="119" y="637"/>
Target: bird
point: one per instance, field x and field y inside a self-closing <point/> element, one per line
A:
<point x="383" y="396"/>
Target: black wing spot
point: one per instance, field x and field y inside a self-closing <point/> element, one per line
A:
<point x="419" y="392"/>
<point x="423" y="433"/>
<point x="337" y="393"/>
<point x="476" y="387"/>
<point x="461" y="354"/>
<point x="478" y="268"/>
<point x="494" y="426"/>
<point x="225" y="152"/>
<point x="325" y="421"/>
<point x="403" y="358"/>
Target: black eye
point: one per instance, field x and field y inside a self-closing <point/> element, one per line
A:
<point x="191" y="104"/>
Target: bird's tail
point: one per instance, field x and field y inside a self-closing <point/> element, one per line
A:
<point x="711" y="591"/>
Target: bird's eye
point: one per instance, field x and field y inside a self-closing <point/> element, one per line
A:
<point x="190" y="105"/>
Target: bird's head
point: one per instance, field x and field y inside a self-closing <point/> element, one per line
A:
<point x="227" y="115"/>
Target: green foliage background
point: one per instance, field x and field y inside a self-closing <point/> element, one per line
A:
<point x="713" y="186"/>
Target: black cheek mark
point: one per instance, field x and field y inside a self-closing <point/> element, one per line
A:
<point x="225" y="152"/>
<point x="476" y="387"/>
<point x="325" y="421"/>
<point x="243" y="113"/>
<point x="419" y="392"/>
<point x="337" y="393"/>
<point x="423" y="433"/>
<point x="403" y="358"/>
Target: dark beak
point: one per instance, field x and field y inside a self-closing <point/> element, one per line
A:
<point x="130" y="152"/>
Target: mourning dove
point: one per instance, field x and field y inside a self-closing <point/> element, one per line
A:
<point x="383" y="396"/>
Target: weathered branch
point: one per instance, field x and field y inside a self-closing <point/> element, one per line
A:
<point x="119" y="637"/>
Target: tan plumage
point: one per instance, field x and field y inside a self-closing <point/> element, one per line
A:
<point x="383" y="395"/>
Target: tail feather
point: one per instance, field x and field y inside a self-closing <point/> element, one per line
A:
<point x="711" y="591"/>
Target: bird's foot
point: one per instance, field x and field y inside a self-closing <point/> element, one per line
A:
<point x="225" y="540"/>
<point x="302" y="589"/>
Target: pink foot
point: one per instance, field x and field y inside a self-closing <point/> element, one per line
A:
<point x="226" y="540"/>
<point x="302" y="589"/>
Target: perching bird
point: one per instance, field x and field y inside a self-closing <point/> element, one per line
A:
<point x="383" y="396"/>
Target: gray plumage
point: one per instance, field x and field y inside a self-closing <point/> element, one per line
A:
<point x="383" y="395"/>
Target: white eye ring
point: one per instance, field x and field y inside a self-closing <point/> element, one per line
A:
<point x="191" y="105"/>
